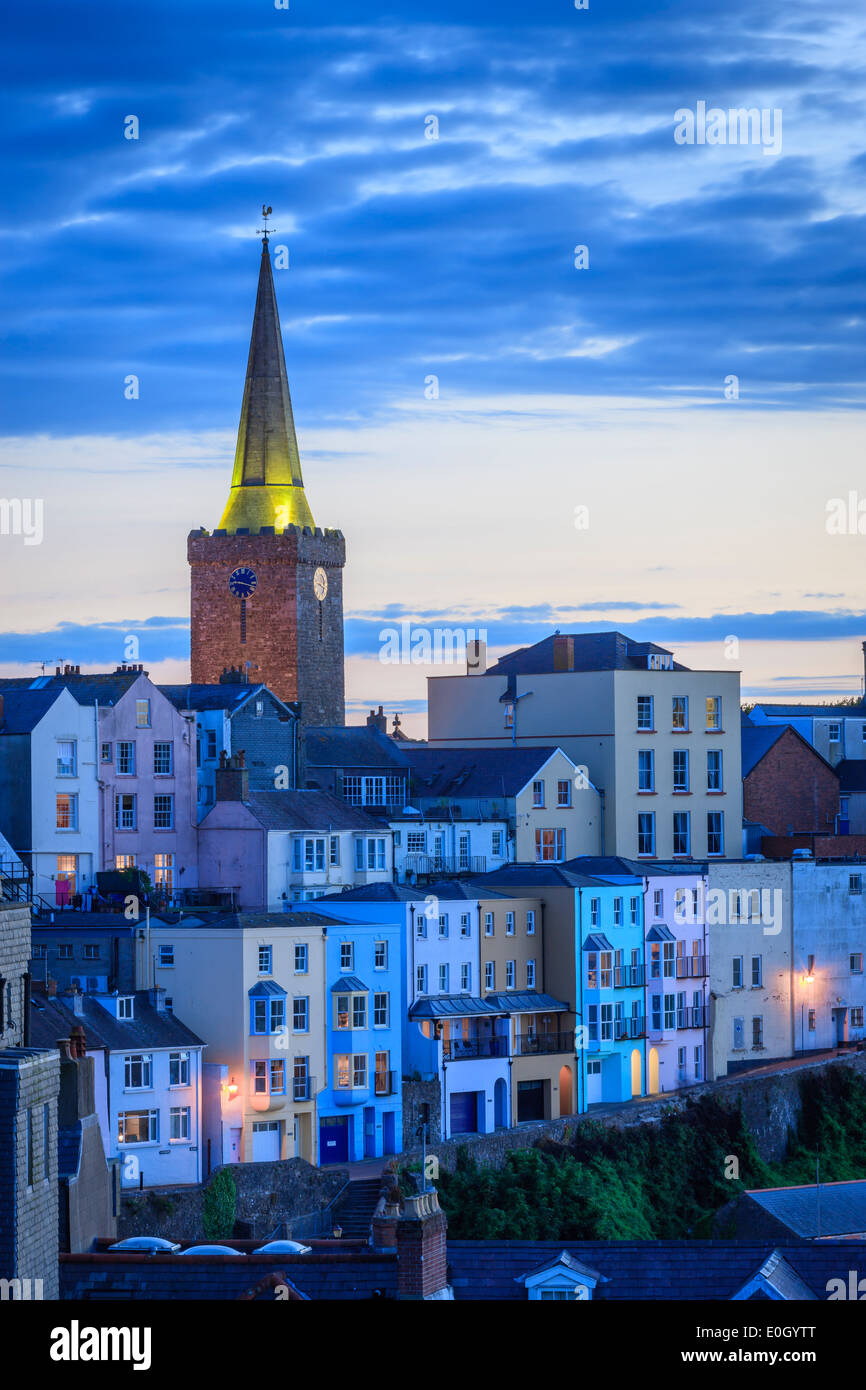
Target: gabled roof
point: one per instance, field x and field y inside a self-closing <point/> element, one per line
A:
<point x="265" y="989"/>
<point x="357" y="745"/>
<point x="841" y="1210"/>
<point x="107" y="687"/>
<point x="564" y="1261"/>
<point x="147" y="1027"/>
<point x="307" y="810"/>
<point x="23" y="709"/>
<point x="597" y="941"/>
<point x="593" y="651"/>
<point x="776" y="1277"/>
<point x="660" y="932"/>
<point x="229" y="696"/>
<point x="757" y="739"/>
<point x="473" y="772"/>
<point x="812" y="711"/>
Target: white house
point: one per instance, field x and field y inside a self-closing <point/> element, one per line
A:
<point x="152" y="1085"/>
<point x="829" y="988"/>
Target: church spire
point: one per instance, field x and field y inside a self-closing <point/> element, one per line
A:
<point x="267" y="485"/>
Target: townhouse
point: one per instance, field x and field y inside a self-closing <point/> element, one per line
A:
<point x="237" y="716"/>
<point x="266" y="850"/>
<point x="253" y="986"/>
<point x="829" y="940"/>
<point x="659" y="741"/>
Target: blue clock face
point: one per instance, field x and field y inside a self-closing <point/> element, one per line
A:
<point x="242" y="582"/>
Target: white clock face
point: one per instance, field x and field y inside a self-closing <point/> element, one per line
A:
<point x="320" y="584"/>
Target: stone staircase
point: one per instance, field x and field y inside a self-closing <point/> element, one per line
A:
<point x="354" y="1211"/>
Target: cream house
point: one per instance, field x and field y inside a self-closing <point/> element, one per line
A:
<point x="252" y="985"/>
<point x="659" y="741"/>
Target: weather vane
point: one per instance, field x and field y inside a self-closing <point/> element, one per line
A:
<point x="266" y="212"/>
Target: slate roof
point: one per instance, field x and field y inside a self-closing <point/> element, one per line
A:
<point x="533" y="876"/>
<point x="659" y="1270"/>
<point x="147" y="1027"/>
<point x="473" y="772"/>
<point x="50" y="1019"/>
<point x="23" y="709"/>
<point x="264" y="988"/>
<point x="842" y="1209"/>
<point x="308" y="810"/>
<point x="606" y="866"/>
<point x="526" y="1001"/>
<point x="357" y="745"/>
<point x="593" y="651"/>
<point x="813" y="711"/>
<point x="756" y="740"/>
<point x="348" y="982"/>
<point x="229" y="696"/>
<point x="69" y="1150"/>
<point x="852" y="774"/>
<point x="452" y="1006"/>
<point x="356" y="1274"/>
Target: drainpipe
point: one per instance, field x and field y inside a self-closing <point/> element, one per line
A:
<point x="601" y="807"/>
<point x="100" y="800"/>
<point x="581" y="1059"/>
<point x="705" y="989"/>
<point x="645" y="1000"/>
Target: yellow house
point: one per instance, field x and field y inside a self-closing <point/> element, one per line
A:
<point x="255" y="985"/>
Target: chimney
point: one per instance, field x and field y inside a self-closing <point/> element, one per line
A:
<point x="51" y="987"/>
<point x="378" y="721"/>
<point x="476" y="657"/>
<point x="157" y="999"/>
<point x="75" y="1000"/>
<point x="232" y="778"/>
<point x="77" y="1041"/>
<point x="563" y="653"/>
<point x="422" y="1257"/>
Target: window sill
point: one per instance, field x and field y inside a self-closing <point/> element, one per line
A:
<point x="645" y="793"/>
<point x="646" y="731"/>
<point x="682" y="731"/>
<point x="715" y="793"/>
<point x="714" y="731"/>
<point x="681" y="791"/>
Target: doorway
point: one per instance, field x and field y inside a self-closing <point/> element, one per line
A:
<point x="566" y="1099"/>
<point x="652" y="1084"/>
<point x="636" y="1073"/>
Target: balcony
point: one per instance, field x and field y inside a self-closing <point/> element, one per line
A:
<point x="691" y="967"/>
<point x="386" y="1083"/>
<point x="634" y="1026"/>
<point x="628" y="977"/>
<point x="539" y="1044"/>
<point x="460" y="1050"/>
<point x="445" y="866"/>
<point x="690" y="1017"/>
<point x="303" y="1088"/>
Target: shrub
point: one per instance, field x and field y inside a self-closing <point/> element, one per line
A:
<point x="220" y="1198"/>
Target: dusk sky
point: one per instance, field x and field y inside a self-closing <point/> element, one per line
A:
<point x="413" y="258"/>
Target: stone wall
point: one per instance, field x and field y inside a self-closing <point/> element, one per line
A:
<point x="29" y="1214"/>
<point x="416" y="1096"/>
<point x="771" y="1106"/>
<point x="268" y="1195"/>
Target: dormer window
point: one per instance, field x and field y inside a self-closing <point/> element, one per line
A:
<point x="125" y="1006"/>
<point x="561" y="1280"/>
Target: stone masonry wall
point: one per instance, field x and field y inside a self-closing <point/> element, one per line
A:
<point x="268" y="1194"/>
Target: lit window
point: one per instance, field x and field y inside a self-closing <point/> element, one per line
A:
<point x="142" y="714"/>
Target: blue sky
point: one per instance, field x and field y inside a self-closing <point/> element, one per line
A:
<point x="453" y="257"/>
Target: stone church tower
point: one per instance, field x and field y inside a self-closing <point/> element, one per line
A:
<point x="266" y="586"/>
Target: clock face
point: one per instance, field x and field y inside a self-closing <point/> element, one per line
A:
<point x="320" y="584"/>
<point x="242" y="582"/>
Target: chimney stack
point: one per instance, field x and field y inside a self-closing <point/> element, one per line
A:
<point x="422" y="1258"/>
<point x="232" y="778"/>
<point x="378" y="721"/>
<point x="563" y="653"/>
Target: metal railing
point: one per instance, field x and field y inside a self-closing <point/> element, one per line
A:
<point x="633" y="1026"/>
<point x="430" y="864"/>
<point x="459" y="1049"/>
<point x="386" y="1083"/>
<point x="628" y="977"/>
<point x="690" y="1017"/>
<point x="529" y="1044"/>
<point x="691" y="967"/>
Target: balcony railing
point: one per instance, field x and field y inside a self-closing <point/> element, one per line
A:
<point x="628" y="977"/>
<point x="534" y="1044"/>
<point x="303" y="1087"/>
<point x="386" y="1083"/>
<point x="437" y="865"/>
<point x="459" y="1050"/>
<point x="691" y="967"/>
<point x="691" y="1017"/>
<point x="630" y="1027"/>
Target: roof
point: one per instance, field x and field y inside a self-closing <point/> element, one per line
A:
<point x="654" y="1270"/>
<point x="357" y="745"/>
<point x="348" y="983"/>
<point x="50" y="1019"/>
<point x="69" y="1150"/>
<point x="308" y="810"/>
<point x="842" y="1208"/>
<point x="603" y="866"/>
<point x="526" y="1001"/>
<point x="597" y="941"/>
<point x="147" y="1027"/>
<point x="452" y="1006"/>
<point x="660" y="932"/>
<point x="229" y="696"/>
<point x="774" y="711"/>
<point x="852" y="774"/>
<point x="534" y="876"/>
<point x="355" y="1274"/>
<point x="593" y="651"/>
<point x="757" y="739"/>
<point x="262" y="988"/>
<point x="23" y="709"/>
<point x="473" y="772"/>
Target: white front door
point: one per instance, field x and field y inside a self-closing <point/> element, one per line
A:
<point x="266" y="1141"/>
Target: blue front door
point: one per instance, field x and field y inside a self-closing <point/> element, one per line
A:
<point x="334" y="1139"/>
<point x="464" y="1112"/>
<point x="389" y="1132"/>
<point x="369" y="1132"/>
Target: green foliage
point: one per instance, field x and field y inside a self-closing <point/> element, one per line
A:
<point x="218" y="1216"/>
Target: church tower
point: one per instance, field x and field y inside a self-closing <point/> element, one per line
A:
<point x="266" y="588"/>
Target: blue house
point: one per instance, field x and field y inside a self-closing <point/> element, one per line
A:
<point x="360" y="1109"/>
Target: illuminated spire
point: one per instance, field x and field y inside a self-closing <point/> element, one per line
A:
<point x="267" y="485"/>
